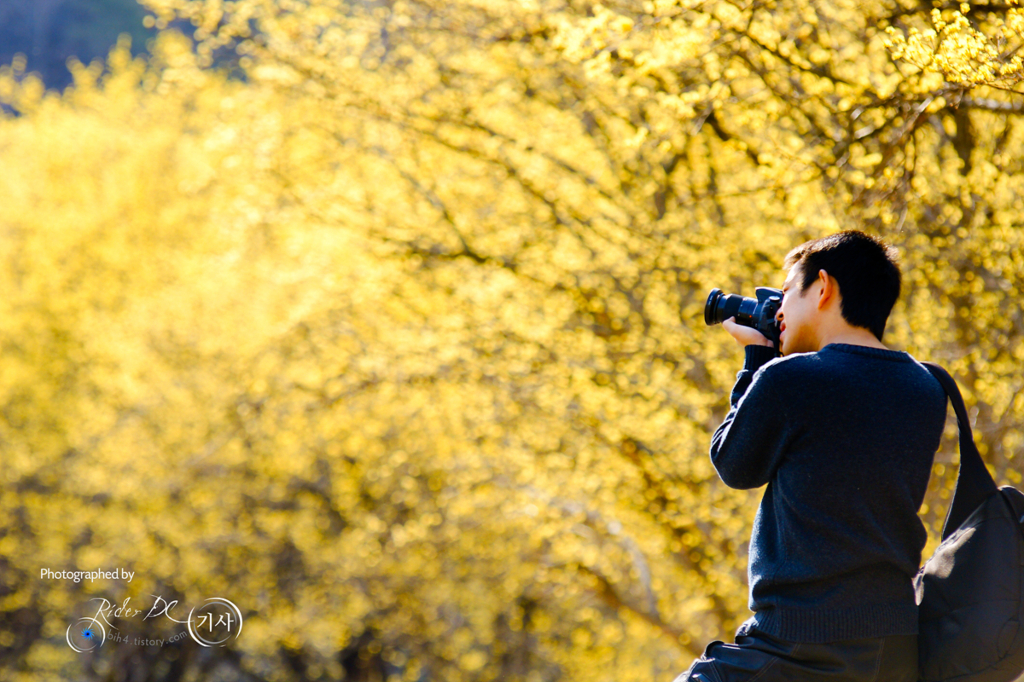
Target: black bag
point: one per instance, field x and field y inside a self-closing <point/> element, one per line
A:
<point x="970" y="591"/>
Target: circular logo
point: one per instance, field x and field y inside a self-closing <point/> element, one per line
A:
<point x="86" y="634"/>
<point x="215" y="622"/>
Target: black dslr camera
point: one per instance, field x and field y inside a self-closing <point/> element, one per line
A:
<point x="756" y="313"/>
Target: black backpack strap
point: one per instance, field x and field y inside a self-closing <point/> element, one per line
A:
<point x="974" y="484"/>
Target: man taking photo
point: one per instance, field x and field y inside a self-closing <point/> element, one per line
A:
<point x="843" y="431"/>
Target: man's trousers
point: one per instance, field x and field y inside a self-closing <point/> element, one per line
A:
<point x="759" y="657"/>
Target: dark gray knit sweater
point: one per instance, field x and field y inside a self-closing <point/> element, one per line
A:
<point x="845" y="439"/>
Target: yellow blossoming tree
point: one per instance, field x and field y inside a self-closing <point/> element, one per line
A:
<point x="393" y="335"/>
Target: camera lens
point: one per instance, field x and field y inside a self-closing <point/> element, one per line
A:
<point x="734" y="305"/>
<point x="720" y="307"/>
<point x="711" y="307"/>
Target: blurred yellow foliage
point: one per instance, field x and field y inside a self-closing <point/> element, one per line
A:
<point x="394" y="336"/>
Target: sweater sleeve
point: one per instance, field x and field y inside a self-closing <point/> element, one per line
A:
<point x="748" y="447"/>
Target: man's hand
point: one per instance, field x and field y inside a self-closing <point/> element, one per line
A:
<point x="747" y="336"/>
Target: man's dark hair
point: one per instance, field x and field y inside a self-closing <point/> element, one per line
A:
<point x="866" y="269"/>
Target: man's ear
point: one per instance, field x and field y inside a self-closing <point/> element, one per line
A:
<point x="829" y="289"/>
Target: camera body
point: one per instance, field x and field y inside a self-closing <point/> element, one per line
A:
<point x="756" y="313"/>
